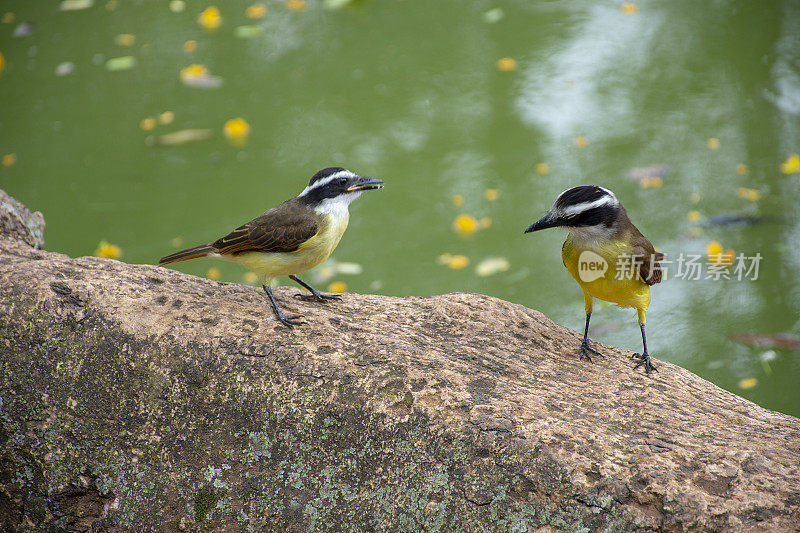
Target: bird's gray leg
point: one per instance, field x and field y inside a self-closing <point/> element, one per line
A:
<point x="288" y="321"/>
<point x="315" y="294"/>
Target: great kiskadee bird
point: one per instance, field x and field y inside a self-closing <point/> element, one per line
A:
<point x="293" y="237"/>
<point x="605" y="253"/>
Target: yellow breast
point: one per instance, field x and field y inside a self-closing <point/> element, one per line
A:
<point x="604" y="270"/>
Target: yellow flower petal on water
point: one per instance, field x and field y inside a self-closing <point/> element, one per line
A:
<point x="250" y="277"/>
<point x="256" y="11"/>
<point x="337" y="286"/>
<point x="465" y="224"/>
<point x="542" y="168"/>
<point x="651" y="182"/>
<point x="629" y="8"/>
<point x="190" y="46"/>
<point x="2" y="62"/>
<point x="581" y="141"/>
<point x="457" y="200"/>
<point x="237" y="130"/>
<point x="148" y="124"/>
<point x="9" y="159"/>
<point x="714" y="248"/>
<point x="193" y="71"/>
<point x="728" y="257"/>
<point x="125" y="39"/>
<point x="486" y="222"/>
<point x="457" y="262"/>
<point x="213" y="273"/>
<point x="8" y="18"/>
<point x="693" y="216"/>
<point x="166" y="117"/>
<point x="296" y="5"/>
<point x="741" y="169"/>
<point x="108" y="250"/>
<point x="791" y="165"/>
<point x="210" y="18"/>
<point x="748" y="383"/>
<point x="506" y="64"/>
<point x="694" y="197"/>
<point x="444" y="259"/>
<point x="712" y="143"/>
<point x="491" y="194"/>
<point x="748" y="194"/>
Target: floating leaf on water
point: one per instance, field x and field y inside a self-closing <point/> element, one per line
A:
<point x="768" y="340"/>
<point x="24" y="29"/>
<point x="75" y="5"/>
<point x="248" y="32"/>
<point x="336" y="4"/>
<point x="494" y="15"/>
<point x="177" y="6"/>
<point x="65" y="68"/>
<point x="349" y="268"/>
<point x="116" y="64"/>
<point x="492" y="265"/>
<point x="183" y="136"/>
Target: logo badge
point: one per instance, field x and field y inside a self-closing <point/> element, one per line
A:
<point x="591" y="266"/>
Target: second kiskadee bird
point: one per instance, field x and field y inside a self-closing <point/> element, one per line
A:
<point x="606" y="254"/>
<point x="293" y="237"/>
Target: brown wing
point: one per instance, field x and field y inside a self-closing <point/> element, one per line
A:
<point x="649" y="267"/>
<point x="281" y="229"/>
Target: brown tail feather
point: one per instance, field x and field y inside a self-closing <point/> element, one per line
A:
<point x="183" y="255"/>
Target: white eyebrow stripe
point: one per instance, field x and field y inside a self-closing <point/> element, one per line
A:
<point x="325" y="181"/>
<point x="586" y="206"/>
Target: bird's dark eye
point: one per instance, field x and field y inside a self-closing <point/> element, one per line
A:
<point x="342" y="181"/>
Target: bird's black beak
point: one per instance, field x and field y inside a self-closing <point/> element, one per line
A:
<point x="363" y="183"/>
<point x="547" y="221"/>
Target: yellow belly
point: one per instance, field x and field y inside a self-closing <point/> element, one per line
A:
<point x="629" y="291"/>
<point x="313" y="252"/>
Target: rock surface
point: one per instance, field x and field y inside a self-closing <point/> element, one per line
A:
<point x="139" y="398"/>
<point x="17" y="222"/>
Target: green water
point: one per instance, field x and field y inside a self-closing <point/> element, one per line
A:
<point x="410" y="92"/>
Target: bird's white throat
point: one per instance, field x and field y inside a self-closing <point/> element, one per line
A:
<point x="336" y="206"/>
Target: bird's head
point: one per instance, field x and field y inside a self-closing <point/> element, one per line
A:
<point x="588" y="210"/>
<point x="336" y="187"/>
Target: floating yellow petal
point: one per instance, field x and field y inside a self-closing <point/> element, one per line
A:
<point x="296" y="5"/>
<point x="190" y="46"/>
<point x="694" y="197"/>
<point x="166" y="117"/>
<point x="2" y="62"/>
<point x="250" y="277"/>
<point x="237" y="130"/>
<point x="741" y="169"/>
<point x="629" y="8"/>
<point x="748" y="194"/>
<point x="148" y="124"/>
<point x="125" y="39"/>
<point x="714" y="248"/>
<point x="256" y="11"/>
<point x="108" y="250"/>
<point x="791" y="165"/>
<point x="337" y="286"/>
<point x="693" y="216"/>
<point x="486" y="222"/>
<point x="652" y="182"/>
<point x="210" y="18"/>
<point x="581" y="141"/>
<point x="457" y="262"/>
<point x="193" y="71"/>
<point x="492" y="265"/>
<point x="457" y="199"/>
<point x="491" y="194"/>
<point x="213" y="273"/>
<point x="465" y="224"/>
<point x="9" y="159"/>
<point x="8" y="18"/>
<point x="712" y="143"/>
<point x="748" y="383"/>
<point x="506" y="64"/>
<point x="717" y="256"/>
<point x="542" y="168"/>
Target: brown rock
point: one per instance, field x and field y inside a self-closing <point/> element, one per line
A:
<point x="139" y="398"/>
<point x="17" y="222"/>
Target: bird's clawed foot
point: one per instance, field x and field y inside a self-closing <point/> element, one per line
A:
<point x="317" y="296"/>
<point x="290" y="321"/>
<point x="644" y="360"/>
<point x="586" y="350"/>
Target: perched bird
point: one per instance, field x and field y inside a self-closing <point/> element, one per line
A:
<point x="605" y="253"/>
<point x="293" y="237"/>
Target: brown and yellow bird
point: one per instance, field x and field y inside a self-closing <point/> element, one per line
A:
<point x="606" y="254"/>
<point x="292" y="237"/>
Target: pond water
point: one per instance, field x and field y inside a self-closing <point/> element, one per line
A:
<point x="689" y="111"/>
